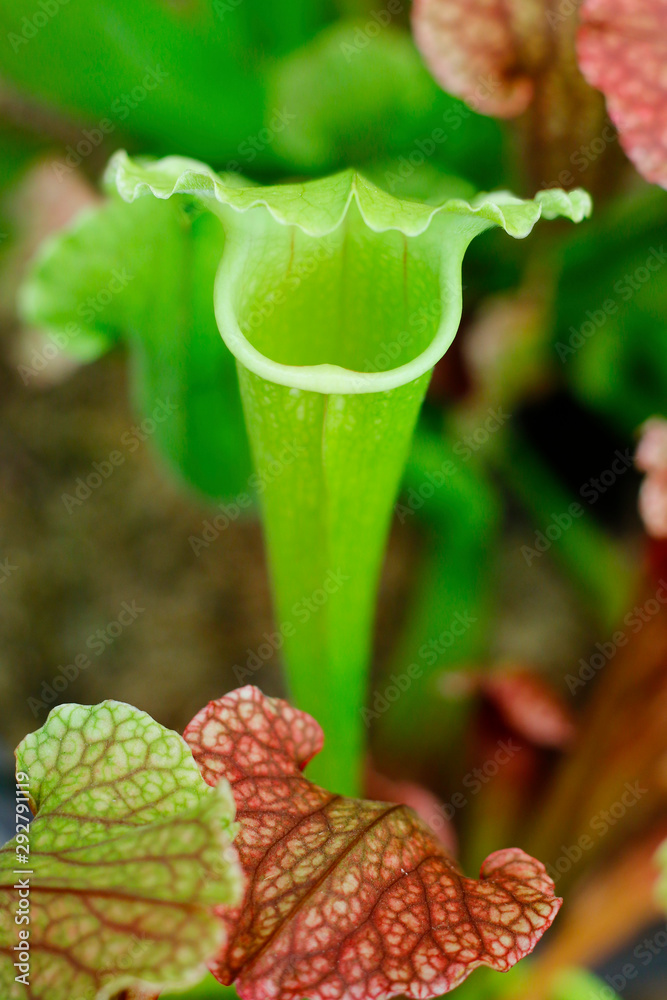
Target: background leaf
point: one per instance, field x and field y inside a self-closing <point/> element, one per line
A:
<point x="359" y="97"/>
<point x="333" y="369"/>
<point x="143" y="274"/>
<point x="178" y="64"/>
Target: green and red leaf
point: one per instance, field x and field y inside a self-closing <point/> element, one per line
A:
<point x="128" y="855"/>
<point x="349" y="898"/>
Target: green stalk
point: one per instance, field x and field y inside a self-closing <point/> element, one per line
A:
<point x="336" y="300"/>
<point x="330" y="459"/>
<point x="326" y="517"/>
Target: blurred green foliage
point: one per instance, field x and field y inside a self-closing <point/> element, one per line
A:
<point x="144" y="273"/>
<point x="610" y="324"/>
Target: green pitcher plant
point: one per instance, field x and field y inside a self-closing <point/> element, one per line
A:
<point x="336" y="300"/>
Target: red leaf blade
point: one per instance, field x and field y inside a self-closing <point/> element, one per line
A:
<point x="349" y="898"/>
<point x="622" y="49"/>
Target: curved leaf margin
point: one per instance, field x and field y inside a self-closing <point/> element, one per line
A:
<point x="127" y="856"/>
<point x="319" y="207"/>
<point x="350" y="898"/>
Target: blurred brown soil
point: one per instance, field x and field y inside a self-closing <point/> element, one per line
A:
<point x="128" y="542"/>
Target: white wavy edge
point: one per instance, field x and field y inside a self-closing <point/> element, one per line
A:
<point x="575" y="205"/>
<point x="327" y="378"/>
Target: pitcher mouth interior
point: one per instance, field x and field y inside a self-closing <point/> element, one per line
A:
<point x="353" y="311"/>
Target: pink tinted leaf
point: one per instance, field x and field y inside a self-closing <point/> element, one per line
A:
<point x="517" y="57"/>
<point x="477" y="49"/>
<point x="653" y="504"/>
<point x="651" y="457"/>
<point x="349" y="898"/>
<point x="530" y="706"/>
<point x="622" y="50"/>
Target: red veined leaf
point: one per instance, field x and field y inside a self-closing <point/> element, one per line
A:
<point x="349" y="898"/>
<point x="129" y="856"/>
<point x="427" y="805"/>
<point x="622" y="49"/>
